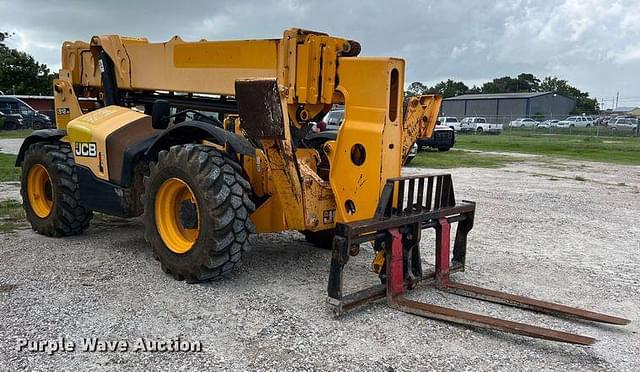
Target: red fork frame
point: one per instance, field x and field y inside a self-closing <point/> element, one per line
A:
<point x="396" y="289"/>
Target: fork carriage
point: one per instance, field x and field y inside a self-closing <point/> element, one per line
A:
<point x="407" y="206"/>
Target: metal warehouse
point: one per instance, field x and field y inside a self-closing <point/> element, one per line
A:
<point x="504" y="107"/>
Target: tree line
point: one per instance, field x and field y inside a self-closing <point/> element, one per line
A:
<point x="20" y="73"/>
<point x="522" y="83"/>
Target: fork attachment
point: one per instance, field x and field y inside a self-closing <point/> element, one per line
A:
<point x="408" y="205"/>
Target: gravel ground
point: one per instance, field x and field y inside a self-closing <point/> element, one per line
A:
<point x="561" y="231"/>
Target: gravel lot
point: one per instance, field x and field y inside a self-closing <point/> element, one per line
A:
<point x="564" y="231"/>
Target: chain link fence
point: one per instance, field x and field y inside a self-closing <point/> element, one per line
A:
<point x="585" y="125"/>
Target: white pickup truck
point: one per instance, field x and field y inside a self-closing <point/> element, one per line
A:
<point x="449" y="121"/>
<point x="479" y="125"/>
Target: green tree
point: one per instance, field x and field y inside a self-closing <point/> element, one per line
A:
<point x="524" y="82"/>
<point x="20" y="73"/>
<point x="527" y="82"/>
<point x="415" y="89"/>
<point x="449" y="88"/>
<point x="584" y="104"/>
<point x="4" y="35"/>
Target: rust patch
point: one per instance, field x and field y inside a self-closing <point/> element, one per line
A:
<point x="260" y="108"/>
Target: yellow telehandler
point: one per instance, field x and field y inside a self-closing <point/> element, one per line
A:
<point x="210" y="141"/>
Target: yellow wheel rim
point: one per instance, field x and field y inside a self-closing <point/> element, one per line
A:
<point x="169" y="199"/>
<point x="40" y="191"/>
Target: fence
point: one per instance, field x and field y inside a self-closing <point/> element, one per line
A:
<point x="541" y="124"/>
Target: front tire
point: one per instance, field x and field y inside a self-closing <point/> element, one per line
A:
<point x="196" y="213"/>
<point x="50" y="190"/>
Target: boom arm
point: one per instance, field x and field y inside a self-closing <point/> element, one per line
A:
<point x="419" y="120"/>
<point x="312" y="71"/>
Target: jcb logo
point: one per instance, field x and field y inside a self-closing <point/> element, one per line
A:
<point x="86" y="149"/>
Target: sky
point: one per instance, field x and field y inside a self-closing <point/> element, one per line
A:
<point x="594" y="44"/>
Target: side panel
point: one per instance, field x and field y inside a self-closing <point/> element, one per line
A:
<point x="88" y="136"/>
<point x="368" y="149"/>
<point x="201" y="67"/>
<point x="126" y="143"/>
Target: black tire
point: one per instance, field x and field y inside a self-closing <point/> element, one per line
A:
<point x="37" y="125"/>
<point x="442" y="149"/>
<point x="321" y="239"/>
<point x="479" y="130"/>
<point x="67" y="217"/>
<point x="222" y="197"/>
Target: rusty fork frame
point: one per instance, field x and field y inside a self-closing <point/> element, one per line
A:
<point x="396" y="230"/>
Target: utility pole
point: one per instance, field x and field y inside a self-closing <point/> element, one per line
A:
<point x="617" y="96"/>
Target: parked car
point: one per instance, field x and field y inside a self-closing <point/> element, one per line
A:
<point x="576" y="122"/>
<point x="479" y="125"/>
<point x="548" y="124"/>
<point x="443" y="138"/>
<point x="30" y="118"/>
<point x="450" y="121"/>
<point x="523" y="123"/>
<point x="624" y="123"/>
<point x="332" y="120"/>
<point x="10" y="121"/>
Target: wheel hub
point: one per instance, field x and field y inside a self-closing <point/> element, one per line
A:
<point x="176" y="215"/>
<point x="40" y="191"/>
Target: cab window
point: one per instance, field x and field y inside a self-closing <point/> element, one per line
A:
<point x="25" y="110"/>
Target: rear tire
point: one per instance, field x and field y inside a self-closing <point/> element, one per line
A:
<point x="52" y="208"/>
<point x="442" y="149"/>
<point x="220" y="218"/>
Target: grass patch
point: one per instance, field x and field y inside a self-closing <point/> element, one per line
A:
<point x="12" y="216"/>
<point x="8" y="170"/>
<point x="460" y="159"/>
<point x="20" y="133"/>
<point x="624" y="150"/>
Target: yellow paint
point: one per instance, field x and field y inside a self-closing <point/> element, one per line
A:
<point x="311" y="75"/>
<point x="66" y="103"/>
<point x="95" y="127"/>
<point x="378" y="262"/>
<point x="420" y="120"/>
<point x="366" y="86"/>
<point x="250" y="54"/>
<point x="40" y="191"/>
<point x="170" y="195"/>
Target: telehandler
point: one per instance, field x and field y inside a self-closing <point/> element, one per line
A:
<point x="209" y="142"/>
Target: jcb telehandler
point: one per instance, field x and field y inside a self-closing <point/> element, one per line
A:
<point x="209" y="141"/>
